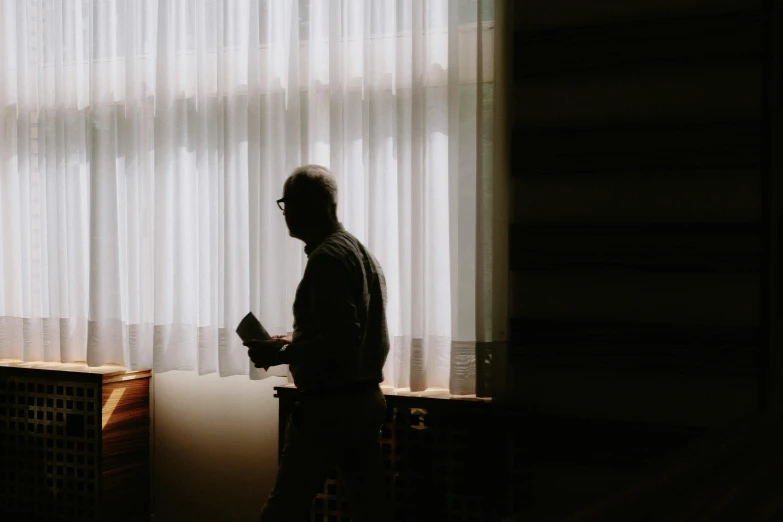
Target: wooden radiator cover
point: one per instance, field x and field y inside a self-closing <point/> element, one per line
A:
<point x="74" y="443"/>
<point x="447" y="460"/>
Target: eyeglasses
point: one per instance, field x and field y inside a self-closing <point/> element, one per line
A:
<point x="281" y="204"/>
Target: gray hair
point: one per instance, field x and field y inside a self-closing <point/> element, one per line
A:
<point x="314" y="183"/>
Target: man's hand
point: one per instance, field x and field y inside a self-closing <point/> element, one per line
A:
<point x="266" y="353"/>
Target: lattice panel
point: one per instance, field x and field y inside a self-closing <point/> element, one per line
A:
<point x="49" y="444"/>
<point x="446" y="466"/>
<point x="331" y="504"/>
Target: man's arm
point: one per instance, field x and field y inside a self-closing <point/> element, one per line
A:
<point x="333" y="304"/>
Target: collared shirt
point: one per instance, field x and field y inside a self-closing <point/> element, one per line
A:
<point x="340" y="331"/>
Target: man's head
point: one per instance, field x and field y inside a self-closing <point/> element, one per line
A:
<point x="309" y="201"/>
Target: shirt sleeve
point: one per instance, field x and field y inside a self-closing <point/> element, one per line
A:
<point x="333" y="304"/>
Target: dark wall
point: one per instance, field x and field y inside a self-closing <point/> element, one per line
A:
<point x="637" y="249"/>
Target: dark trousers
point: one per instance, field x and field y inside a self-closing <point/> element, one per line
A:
<point x="326" y="432"/>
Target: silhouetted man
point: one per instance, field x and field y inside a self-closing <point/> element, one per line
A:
<point x="336" y="357"/>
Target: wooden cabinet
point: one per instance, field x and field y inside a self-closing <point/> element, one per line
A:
<point x="447" y="459"/>
<point x="74" y="443"/>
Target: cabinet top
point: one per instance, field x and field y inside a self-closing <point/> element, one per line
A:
<point x="71" y="371"/>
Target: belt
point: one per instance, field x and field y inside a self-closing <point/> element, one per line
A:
<point x="347" y="388"/>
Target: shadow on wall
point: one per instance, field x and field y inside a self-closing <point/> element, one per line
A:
<point x="215" y="446"/>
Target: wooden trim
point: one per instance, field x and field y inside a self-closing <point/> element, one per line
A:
<point x="128" y="376"/>
<point x="125" y="451"/>
<point x="72" y="372"/>
<point x="501" y="179"/>
<point x="684" y="39"/>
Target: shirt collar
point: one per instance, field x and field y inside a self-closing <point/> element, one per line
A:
<point x="309" y="248"/>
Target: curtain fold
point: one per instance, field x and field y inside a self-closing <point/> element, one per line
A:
<point x="143" y="144"/>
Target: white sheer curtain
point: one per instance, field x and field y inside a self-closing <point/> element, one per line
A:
<point x="143" y="144"/>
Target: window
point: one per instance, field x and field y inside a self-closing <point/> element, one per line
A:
<point x="146" y="142"/>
